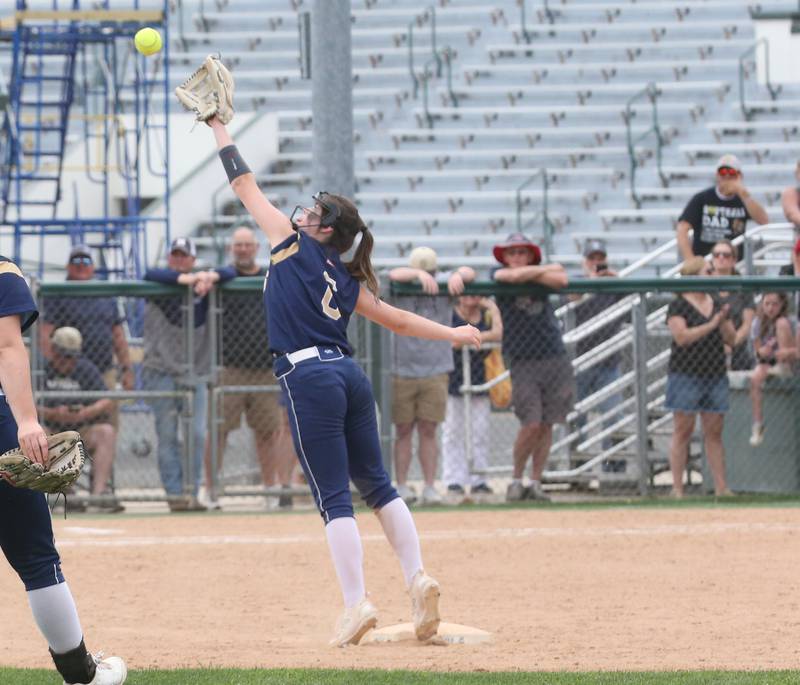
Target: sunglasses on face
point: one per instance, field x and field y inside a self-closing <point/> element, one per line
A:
<point x="727" y="171"/>
<point x="719" y="255"/>
<point x="81" y="261"/>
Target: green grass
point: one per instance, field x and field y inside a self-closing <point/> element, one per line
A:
<point x="9" y="676"/>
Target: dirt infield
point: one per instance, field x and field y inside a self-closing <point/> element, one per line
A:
<point x="641" y="589"/>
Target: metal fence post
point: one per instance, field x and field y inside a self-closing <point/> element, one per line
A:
<point x="466" y="369"/>
<point x="188" y="407"/>
<point x="639" y="319"/>
<point x="215" y="355"/>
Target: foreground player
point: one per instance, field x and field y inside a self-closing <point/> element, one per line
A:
<point x="26" y="533"/>
<point x="309" y="297"/>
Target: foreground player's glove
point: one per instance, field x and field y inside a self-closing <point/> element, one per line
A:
<point x="208" y="91"/>
<point x="67" y="457"/>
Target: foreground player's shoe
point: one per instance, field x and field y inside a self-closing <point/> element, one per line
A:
<point x="110" y="671"/>
<point x="354" y="623"/>
<point x="425" y="593"/>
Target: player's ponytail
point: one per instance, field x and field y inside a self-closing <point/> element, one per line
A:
<point x="345" y="229"/>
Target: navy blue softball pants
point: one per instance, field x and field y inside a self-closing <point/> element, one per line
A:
<point x="26" y="531"/>
<point x="335" y="431"/>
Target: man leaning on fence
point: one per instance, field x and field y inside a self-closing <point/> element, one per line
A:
<point x="606" y="370"/>
<point x="246" y="361"/>
<point x="165" y="368"/>
<point x="541" y="372"/>
<point x="68" y="369"/>
<point x="421" y="369"/>
<point x="98" y="320"/>
<point x="719" y="212"/>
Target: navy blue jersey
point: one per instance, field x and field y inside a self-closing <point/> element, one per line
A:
<point x="15" y="296"/>
<point x="309" y="296"/>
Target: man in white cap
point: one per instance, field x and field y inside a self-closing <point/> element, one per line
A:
<point x="719" y="212"/>
<point x="421" y="371"/>
<point x="69" y="370"/>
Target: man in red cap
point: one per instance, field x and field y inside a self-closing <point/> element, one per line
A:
<point x="543" y="385"/>
<point x="719" y="212"/>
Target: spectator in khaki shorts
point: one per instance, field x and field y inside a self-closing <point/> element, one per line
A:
<point x="543" y="384"/>
<point x="246" y="360"/>
<point x="421" y="371"/>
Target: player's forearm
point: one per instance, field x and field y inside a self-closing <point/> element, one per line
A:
<point x="15" y="377"/>
<point x="413" y="325"/>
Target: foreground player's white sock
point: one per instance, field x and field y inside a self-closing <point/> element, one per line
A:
<point x="55" y="613"/>
<point x="398" y="525"/>
<point x="348" y="558"/>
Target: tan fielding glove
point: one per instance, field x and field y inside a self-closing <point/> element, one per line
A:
<point x="208" y="92"/>
<point x="67" y="456"/>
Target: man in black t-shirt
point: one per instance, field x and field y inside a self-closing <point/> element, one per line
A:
<point x="718" y="213"/>
<point x="246" y="360"/>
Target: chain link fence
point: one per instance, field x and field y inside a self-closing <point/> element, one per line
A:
<point x="608" y="387"/>
<point x="616" y="384"/>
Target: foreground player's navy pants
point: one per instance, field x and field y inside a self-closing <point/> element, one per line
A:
<point x="26" y="532"/>
<point x="335" y="430"/>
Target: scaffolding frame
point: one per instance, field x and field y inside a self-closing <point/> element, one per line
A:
<point x="84" y="57"/>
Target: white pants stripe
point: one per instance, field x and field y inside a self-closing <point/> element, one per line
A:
<point x="455" y="468"/>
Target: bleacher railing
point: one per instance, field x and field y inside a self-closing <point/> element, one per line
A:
<point x="774" y="91"/>
<point x="547" y="225"/>
<point x="443" y="56"/>
<point x="428" y="15"/>
<point x="652" y="93"/>
<point x="523" y="20"/>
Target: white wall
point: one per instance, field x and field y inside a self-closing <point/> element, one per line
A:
<point x="783" y="50"/>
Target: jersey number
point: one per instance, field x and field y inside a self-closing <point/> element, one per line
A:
<point x="327" y="309"/>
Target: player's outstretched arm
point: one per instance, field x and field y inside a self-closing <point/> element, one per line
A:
<point x="271" y="220"/>
<point x="15" y="377"/>
<point x="407" y="323"/>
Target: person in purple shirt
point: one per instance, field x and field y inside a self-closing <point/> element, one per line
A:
<point x="165" y="368"/>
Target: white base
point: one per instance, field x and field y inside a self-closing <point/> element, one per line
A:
<point x="449" y="634"/>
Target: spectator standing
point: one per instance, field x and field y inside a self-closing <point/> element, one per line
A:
<point x="775" y="348"/>
<point x="606" y="371"/>
<point x="485" y="316"/>
<point x="697" y="380"/>
<point x="790" y="200"/>
<point x="720" y="212"/>
<point x="99" y="322"/>
<point x="69" y="370"/>
<point x="421" y="369"/>
<point x="741" y="306"/>
<point x="543" y="384"/>
<point x="165" y="366"/>
<point x="246" y="360"/>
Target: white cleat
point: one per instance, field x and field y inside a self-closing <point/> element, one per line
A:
<point x="354" y="623"/>
<point x="425" y="593"/>
<point x="110" y="671"/>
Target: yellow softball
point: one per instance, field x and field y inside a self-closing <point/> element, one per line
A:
<point x="147" y="41"/>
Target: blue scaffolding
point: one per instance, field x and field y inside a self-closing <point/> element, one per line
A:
<point x="75" y="74"/>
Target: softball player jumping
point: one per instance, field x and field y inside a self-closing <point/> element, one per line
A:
<point x="26" y="532"/>
<point x="310" y="296"/>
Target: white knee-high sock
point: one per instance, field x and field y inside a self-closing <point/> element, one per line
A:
<point x="54" y="610"/>
<point x="398" y="525"/>
<point x="348" y="558"/>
